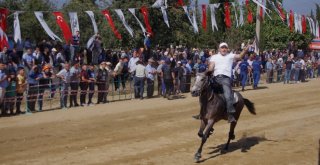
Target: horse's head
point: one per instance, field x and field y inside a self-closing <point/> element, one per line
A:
<point x="200" y="81"/>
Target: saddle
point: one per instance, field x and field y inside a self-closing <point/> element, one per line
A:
<point x="218" y="89"/>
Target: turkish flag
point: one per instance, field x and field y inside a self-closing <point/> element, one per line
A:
<point x="3" y="18"/>
<point x="227" y="14"/>
<point x="63" y="26"/>
<point x="106" y="13"/>
<point x="144" y="11"/>
<point x="180" y="3"/>
<point x="249" y="17"/>
<point x="304" y="24"/>
<point x="282" y="15"/>
<point x="204" y="16"/>
<point x="291" y="19"/>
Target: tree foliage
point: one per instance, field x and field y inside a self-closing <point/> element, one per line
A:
<point x="274" y="33"/>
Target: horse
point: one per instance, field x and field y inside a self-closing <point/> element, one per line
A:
<point x="213" y="109"/>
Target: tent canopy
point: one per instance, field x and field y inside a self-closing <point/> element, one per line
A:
<point x="315" y="44"/>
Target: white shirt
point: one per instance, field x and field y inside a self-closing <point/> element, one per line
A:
<point x="132" y="64"/>
<point x="222" y="64"/>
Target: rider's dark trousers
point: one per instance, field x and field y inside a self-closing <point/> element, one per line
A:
<point x="225" y="81"/>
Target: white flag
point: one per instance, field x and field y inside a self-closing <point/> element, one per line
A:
<point x="193" y="21"/>
<point x="74" y="22"/>
<point x="45" y="26"/>
<point x="158" y="4"/>
<point x="121" y="16"/>
<point x="165" y="15"/>
<point x="3" y="36"/>
<point x="16" y="27"/>
<point x="235" y="13"/>
<point x="317" y="33"/>
<point x="310" y="25"/>
<point x="241" y="20"/>
<point x="213" y="15"/>
<point x="94" y="24"/>
<point x="133" y="12"/>
<point x="296" y="27"/>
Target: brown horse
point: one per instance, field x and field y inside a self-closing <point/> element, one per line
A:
<point x="213" y="109"/>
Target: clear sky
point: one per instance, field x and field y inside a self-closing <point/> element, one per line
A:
<point x="298" y="6"/>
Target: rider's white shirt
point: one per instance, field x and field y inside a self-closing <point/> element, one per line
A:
<point x="222" y="64"/>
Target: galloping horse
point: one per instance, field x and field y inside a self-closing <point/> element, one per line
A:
<point x="213" y="108"/>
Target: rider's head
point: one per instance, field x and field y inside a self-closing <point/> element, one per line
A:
<point x="223" y="48"/>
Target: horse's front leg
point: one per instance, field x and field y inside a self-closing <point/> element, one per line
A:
<point x="202" y="127"/>
<point x="230" y="137"/>
<point x="208" y="127"/>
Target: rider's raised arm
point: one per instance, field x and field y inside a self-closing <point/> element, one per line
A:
<point x="240" y="56"/>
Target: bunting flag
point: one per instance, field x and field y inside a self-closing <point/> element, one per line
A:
<point x="291" y="18"/>
<point x="261" y="11"/>
<point x="124" y="22"/>
<point x="193" y="21"/>
<point x="45" y="26"/>
<point x="213" y="8"/>
<point x="94" y="24"/>
<point x="227" y="15"/>
<point x="133" y="12"/>
<point x="16" y="28"/>
<point x="296" y="26"/>
<point x="279" y="7"/>
<point x="310" y="25"/>
<point x="165" y="15"/>
<point x="144" y="12"/>
<point x="304" y="24"/>
<point x="204" y="16"/>
<point x="241" y="20"/>
<point x="158" y="4"/>
<point x="317" y="32"/>
<point x="3" y="39"/>
<point x="3" y="19"/>
<point x="235" y="13"/>
<point x="74" y="22"/>
<point x="110" y="21"/>
<point x="250" y="17"/>
<point x="180" y="3"/>
<point x="63" y="26"/>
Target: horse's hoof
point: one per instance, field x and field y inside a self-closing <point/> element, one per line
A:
<point x="200" y="134"/>
<point x="232" y="137"/>
<point x="197" y="157"/>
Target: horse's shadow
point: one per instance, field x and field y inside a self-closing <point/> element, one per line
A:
<point x="244" y="144"/>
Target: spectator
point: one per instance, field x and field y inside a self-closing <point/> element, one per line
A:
<point x="21" y="88"/>
<point x="139" y="80"/>
<point x="65" y="77"/>
<point x="102" y="77"/>
<point x="10" y="93"/>
<point x="244" y="70"/>
<point x="33" y="80"/>
<point x="269" y="67"/>
<point x="74" y="84"/>
<point x="150" y="72"/>
<point x="84" y="80"/>
<point x="167" y="74"/>
<point x="92" y="80"/>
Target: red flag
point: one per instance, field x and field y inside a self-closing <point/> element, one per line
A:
<point x="144" y="11"/>
<point x="227" y="14"/>
<point x="3" y="19"/>
<point x="109" y="19"/>
<point x="261" y="12"/>
<point x="291" y="19"/>
<point x="3" y="39"/>
<point x="304" y="24"/>
<point x="279" y="7"/>
<point x="204" y="16"/>
<point x="250" y="17"/>
<point x="180" y="3"/>
<point x="63" y="26"/>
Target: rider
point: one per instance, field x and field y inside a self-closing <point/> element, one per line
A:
<point x="221" y="66"/>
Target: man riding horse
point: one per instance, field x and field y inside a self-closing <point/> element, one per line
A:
<point x="221" y="66"/>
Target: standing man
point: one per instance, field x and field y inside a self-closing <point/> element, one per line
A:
<point x="33" y="80"/>
<point x="139" y="79"/>
<point x="288" y="67"/>
<point x="244" y="70"/>
<point x="75" y="45"/>
<point x="147" y="46"/>
<point x="167" y="74"/>
<point x="150" y="72"/>
<point x="102" y="77"/>
<point x="256" y="68"/>
<point x="65" y="76"/>
<point x="221" y="66"/>
<point x="74" y="84"/>
<point x="92" y="78"/>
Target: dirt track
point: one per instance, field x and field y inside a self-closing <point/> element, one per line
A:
<point x="157" y="131"/>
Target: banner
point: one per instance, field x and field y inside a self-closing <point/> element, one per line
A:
<point x="3" y="39"/>
<point x="94" y="24"/>
<point x="180" y="3"/>
<point x="165" y="15"/>
<point x="291" y="20"/>
<point x="144" y="11"/>
<point x="16" y="28"/>
<point x="227" y="18"/>
<point x="158" y="4"/>
<point x="250" y="17"/>
<point x="110" y="21"/>
<point x="45" y="26"/>
<point x="133" y="12"/>
<point x="304" y="24"/>
<point x="279" y="7"/>
<point x="193" y="21"/>
<point x="74" y="22"/>
<point x="241" y="19"/>
<point x="235" y="13"/>
<point x="63" y="26"/>
<point x="3" y="18"/>
<point x="213" y="8"/>
<point x="204" y="16"/>
<point x="123" y="20"/>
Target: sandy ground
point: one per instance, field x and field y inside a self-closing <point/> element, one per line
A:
<point x="286" y="130"/>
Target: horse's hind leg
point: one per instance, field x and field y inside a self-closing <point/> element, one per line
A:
<point x="202" y="127"/>
<point x="231" y="136"/>
<point x="208" y="127"/>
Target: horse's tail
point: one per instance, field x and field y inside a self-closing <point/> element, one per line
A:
<point x="250" y="106"/>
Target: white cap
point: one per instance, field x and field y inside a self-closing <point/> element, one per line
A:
<point x="179" y="62"/>
<point x="53" y="49"/>
<point x="223" y="44"/>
